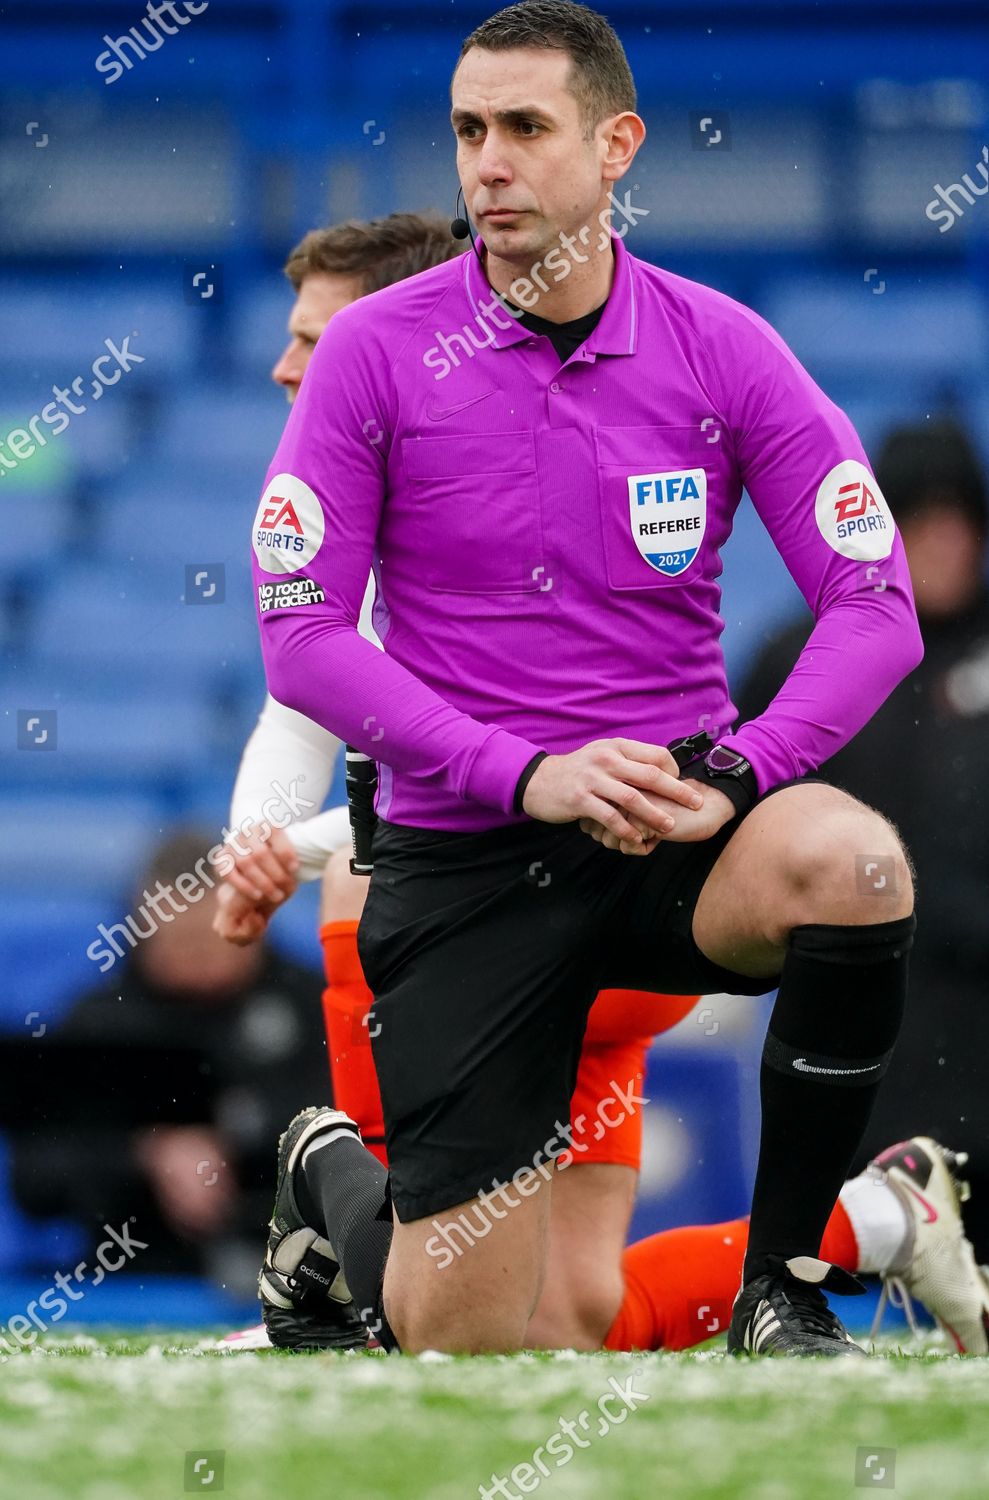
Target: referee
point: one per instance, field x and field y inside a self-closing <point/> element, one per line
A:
<point x="544" y="443"/>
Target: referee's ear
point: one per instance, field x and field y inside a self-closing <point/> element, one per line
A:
<point x="620" y="136"/>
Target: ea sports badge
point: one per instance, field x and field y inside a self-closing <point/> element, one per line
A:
<point x="289" y="525"/>
<point x="668" y="514"/>
<point x="852" y="514"/>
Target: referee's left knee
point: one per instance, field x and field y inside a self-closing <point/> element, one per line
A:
<point x="846" y="863"/>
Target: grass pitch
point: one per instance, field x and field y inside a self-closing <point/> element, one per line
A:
<point x="130" y="1418"/>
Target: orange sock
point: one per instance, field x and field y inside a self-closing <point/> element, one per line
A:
<point x="347" y="1003"/>
<point x="839" y="1244"/>
<point x="626" y="1015"/>
<point x="680" y="1285"/>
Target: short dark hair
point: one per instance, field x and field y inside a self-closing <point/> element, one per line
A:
<point x="932" y="463"/>
<point x="377" y="251"/>
<point x="600" y="77"/>
<point x="177" y="854"/>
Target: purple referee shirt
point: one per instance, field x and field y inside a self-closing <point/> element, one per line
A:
<point x="546" y="540"/>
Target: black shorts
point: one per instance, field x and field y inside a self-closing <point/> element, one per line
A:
<point x="484" y="952"/>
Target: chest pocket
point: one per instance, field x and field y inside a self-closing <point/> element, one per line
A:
<point x="655" y="488"/>
<point x="475" y="512"/>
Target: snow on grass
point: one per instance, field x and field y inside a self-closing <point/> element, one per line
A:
<point x="81" y="1416"/>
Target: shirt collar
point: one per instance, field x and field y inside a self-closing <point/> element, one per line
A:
<point x="615" y="334"/>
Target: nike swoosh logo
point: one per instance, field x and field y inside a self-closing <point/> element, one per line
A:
<point x="440" y="413"/>
<point x="803" y="1066"/>
<point x="929" y="1207"/>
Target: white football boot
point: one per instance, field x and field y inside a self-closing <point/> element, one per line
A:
<point x="936" y="1265"/>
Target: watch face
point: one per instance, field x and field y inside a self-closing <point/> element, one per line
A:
<point x="720" y="759"/>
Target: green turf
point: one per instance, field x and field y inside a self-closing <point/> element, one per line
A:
<point x="114" y="1418"/>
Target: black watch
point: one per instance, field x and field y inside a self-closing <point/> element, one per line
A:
<point x="730" y="772"/>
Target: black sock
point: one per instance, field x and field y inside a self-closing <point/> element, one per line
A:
<point x="830" y="1037"/>
<point x="341" y="1189"/>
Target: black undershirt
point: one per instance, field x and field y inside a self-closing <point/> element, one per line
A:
<point x="565" y="337"/>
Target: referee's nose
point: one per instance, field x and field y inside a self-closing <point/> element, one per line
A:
<point x="492" y="165"/>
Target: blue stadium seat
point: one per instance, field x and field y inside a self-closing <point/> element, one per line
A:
<point x="148" y="737"/>
<point x="214" y="424"/>
<point x="873" y="408"/>
<point x="37" y="522"/>
<point x="97" y="439"/>
<point x="73" y="843"/>
<point x="179" y="1302"/>
<point x="59" y="327"/>
<point x="188" y="528"/>
<point x="259" y="333"/>
<point x="758" y="594"/>
<point x="46" y="929"/>
<point x="106" y="615"/>
<point x="694" y="1122"/>
<point x="206" y="799"/>
<point x="294" y="930"/>
<point x="916" y="331"/>
<point x="214" y="483"/>
<point x="233" y="692"/>
<point x="100" y="440"/>
<point x="170" y="729"/>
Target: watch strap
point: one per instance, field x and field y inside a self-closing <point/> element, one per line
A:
<point x="741" y="790"/>
<point x="525" y="778"/>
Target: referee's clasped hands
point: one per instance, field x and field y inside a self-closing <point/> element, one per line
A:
<point x="627" y="795"/>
